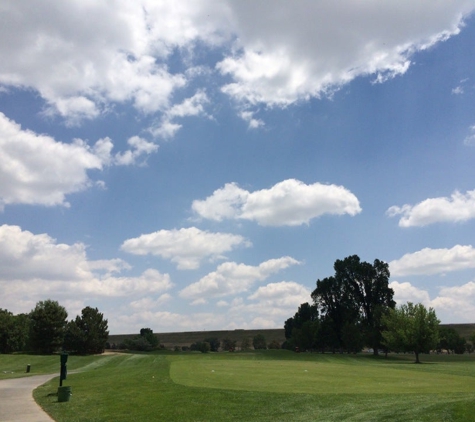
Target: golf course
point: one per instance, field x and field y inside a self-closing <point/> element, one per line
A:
<point x="255" y="386"/>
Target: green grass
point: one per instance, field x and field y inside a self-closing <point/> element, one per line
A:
<point x="14" y="366"/>
<point x="265" y="386"/>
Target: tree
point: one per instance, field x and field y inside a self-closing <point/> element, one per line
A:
<point x="88" y="333"/>
<point x="369" y="286"/>
<point x="301" y="329"/>
<point x="144" y="342"/>
<point x="274" y="344"/>
<point x="411" y="328"/>
<point x="357" y="294"/>
<point x="245" y="343"/>
<point x="48" y="326"/>
<point x="214" y="343"/>
<point x="450" y="340"/>
<point x="151" y="338"/>
<point x="228" y="344"/>
<point x="201" y="346"/>
<point x="13" y="331"/>
<point x="337" y="308"/>
<point x="352" y="337"/>
<point x="259" y="342"/>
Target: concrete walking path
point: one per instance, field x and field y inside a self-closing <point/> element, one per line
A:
<point x="16" y="399"/>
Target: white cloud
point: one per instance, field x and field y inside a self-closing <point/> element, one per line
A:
<point x="460" y="89"/>
<point x="434" y="261"/>
<point x="149" y="304"/>
<point x="164" y="321"/>
<point x="253" y="123"/>
<point x="288" y="203"/>
<point x="38" y="170"/>
<point x="458" y="301"/>
<point x="185" y="247"/>
<point x="269" y="306"/>
<point x="35" y="169"/>
<point x="459" y="207"/>
<point x="470" y="139"/>
<point x="192" y="106"/>
<point x="285" y="294"/>
<point x="295" y="50"/>
<point x="232" y="278"/>
<point x="33" y="266"/>
<point x="81" y="56"/>
<point x="139" y="146"/>
<point x="406" y="292"/>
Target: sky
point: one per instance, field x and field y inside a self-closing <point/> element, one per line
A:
<point x="200" y="164"/>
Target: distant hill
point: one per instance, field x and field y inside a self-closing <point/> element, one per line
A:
<point x="465" y="330"/>
<point x="170" y="340"/>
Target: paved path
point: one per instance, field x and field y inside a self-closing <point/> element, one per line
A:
<point x="16" y="400"/>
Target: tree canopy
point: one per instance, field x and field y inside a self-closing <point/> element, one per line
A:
<point x="88" y="333"/>
<point x="411" y="328"/>
<point x="14" y="331"/>
<point x="357" y="296"/>
<point x="48" y="326"/>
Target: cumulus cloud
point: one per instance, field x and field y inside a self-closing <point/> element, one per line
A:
<point x="165" y="321"/>
<point x="232" y="278"/>
<point x="459" y="207"/>
<point x="37" y="169"/>
<point x="269" y="306"/>
<point x="82" y="56"/>
<point x="284" y="294"/>
<point x="458" y="301"/>
<point x="288" y="203"/>
<point x="193" y="106"/>
<point x="429" y="261"/>
<point x="33" y="266"/>
<point x="406" y="292"/>
<point x="293" y="51"/>
<point x="186" y="247"/>
<point x="248" y="116"/>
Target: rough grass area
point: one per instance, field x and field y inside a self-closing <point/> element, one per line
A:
<point x="267" y="386"/>
<point x="14" y="366"/>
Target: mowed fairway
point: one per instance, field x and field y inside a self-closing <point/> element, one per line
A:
<point x="266" y="386"/>
<point x="337" y="375"/>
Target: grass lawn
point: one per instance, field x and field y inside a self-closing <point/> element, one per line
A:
<point x="14" y="366"/>
<point x="265" y="386"/>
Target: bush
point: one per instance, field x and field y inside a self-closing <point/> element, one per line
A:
<point x="259" y="342"/>
<point x="274" y="344"/>
<point x="228" y="344"/>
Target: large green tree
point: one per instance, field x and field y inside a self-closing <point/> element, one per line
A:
<point x="301" y="330"/>
<point x="88" y="333"/>
<point x="451" y="340"/>
<point x="259" y="342"/>
<point x="48" y="326"/>
<point x="357" y="295"/>
<point x="368" y="286"/>
<point x="411" y="328"/>
<point x="336" y="307"/>
<point x="14" y="331"/>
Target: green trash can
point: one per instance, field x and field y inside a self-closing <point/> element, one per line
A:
<point x="64" y="393"/>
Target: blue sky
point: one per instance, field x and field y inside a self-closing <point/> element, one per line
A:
<point x="200" y="165"/>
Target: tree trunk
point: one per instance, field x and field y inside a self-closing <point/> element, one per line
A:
<point x="417" y="357"/>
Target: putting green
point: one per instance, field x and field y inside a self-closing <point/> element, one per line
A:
<point x="284" y="376"/>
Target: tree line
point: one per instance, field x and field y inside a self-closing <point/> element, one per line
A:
<point x="354" y="308"/>
<point x="46" y="330"/>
